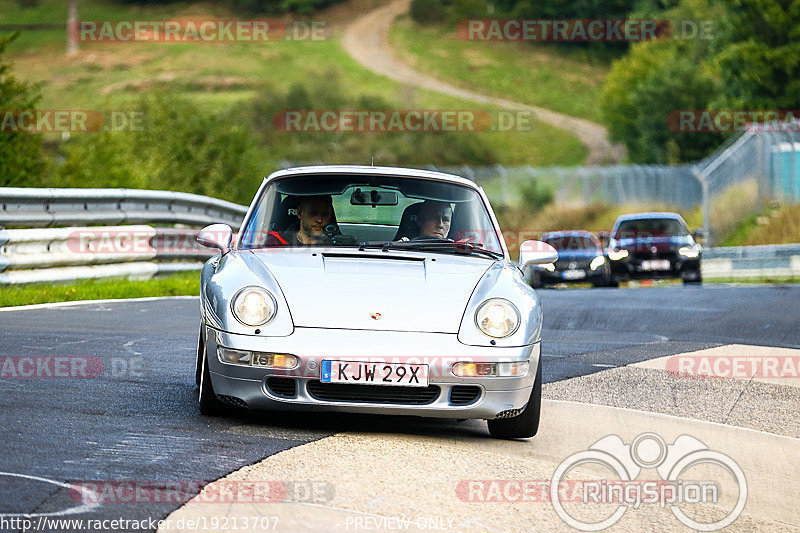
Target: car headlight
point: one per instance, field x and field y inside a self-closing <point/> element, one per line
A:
<point x="550" y="267"/>
<point x="497" y="318"/>
<point x="690" y="251"/>
<point x="597" y="262"/>
<point x="616" y="255"/>
<point x="254" y="306"/>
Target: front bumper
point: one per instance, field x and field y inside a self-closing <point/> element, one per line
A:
<point x="247" y="384"/>
<point x="631" y="268"/>
<point x="590" y="276"/>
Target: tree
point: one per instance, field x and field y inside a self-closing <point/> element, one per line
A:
<point x="21" y="159"/>
<point x="757" y="53"/>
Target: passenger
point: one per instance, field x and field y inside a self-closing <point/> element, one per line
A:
<point x="434" y="219"/>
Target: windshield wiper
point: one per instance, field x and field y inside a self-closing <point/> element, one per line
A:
<point x="432" y="244"/>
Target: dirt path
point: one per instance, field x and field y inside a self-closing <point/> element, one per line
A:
<point x="367" y="40"/>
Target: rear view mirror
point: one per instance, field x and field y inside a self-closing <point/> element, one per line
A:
<point x="536" y="253"/>
<point x="373" y="197"/>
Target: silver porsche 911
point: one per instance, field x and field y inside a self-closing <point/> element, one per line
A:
<point x="371" y="290"/>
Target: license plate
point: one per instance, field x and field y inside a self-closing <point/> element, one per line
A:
<point x="361" y="372"/>
<point x="573" y="274"/>
<point x="656" y="264"/>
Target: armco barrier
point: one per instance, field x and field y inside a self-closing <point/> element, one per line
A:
<point x="62" y="254"/>
<point x="95" y="243"/>
<point x="776" y="261"/>
<point x="36" y="208"/>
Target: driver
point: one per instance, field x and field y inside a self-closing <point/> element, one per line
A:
<point x="434" y="219"/>
<point x="314" y="213"/>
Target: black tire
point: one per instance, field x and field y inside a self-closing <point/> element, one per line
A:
<point x="525" y="424"/>
<point x="697" y="279"/>
<point x="201" y="349"/>
<point x="208" y="402"/>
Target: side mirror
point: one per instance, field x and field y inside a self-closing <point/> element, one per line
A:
<point x="698" y="234"/>
<point x="536" y="253"/>
<point x="216" y="236"/>
<point x="605" y="237"/>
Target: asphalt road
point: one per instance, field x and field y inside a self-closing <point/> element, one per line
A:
<point x="137" y="420"/>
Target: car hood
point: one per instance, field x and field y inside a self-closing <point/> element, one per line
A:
<point x="579" y="254"/>
<point x="399" y="291"/>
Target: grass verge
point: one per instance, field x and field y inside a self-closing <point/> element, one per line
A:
<point x="538" y="75"/>
<point x="216" y="76"/>
<point x="182" y="284"/>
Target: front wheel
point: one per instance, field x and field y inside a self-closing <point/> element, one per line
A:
<point x="201" y="350"/>
<point x="208" y="402"/>
<point x="525" y="424"/>
<point x="694" y="278"/>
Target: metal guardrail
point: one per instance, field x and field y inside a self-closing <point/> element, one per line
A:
<point x="36" y="208"/>
<point x="43" y="251"/>
<point x="776" y="261"/>
<point x="57" y="254"/>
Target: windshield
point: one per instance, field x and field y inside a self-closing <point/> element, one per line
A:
<point x="347" y="211"/>
<point x="650" y="227"/>
<point x="573" y="242"/>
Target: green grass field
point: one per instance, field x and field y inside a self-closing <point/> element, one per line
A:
<point x="183" y="284"/>
<point x="216" y="75"/>
<point x="539" y="75"/>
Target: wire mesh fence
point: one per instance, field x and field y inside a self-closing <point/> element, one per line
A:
<point x="759" y="166"/>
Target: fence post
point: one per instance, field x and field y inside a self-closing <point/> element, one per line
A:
<point x="706" y="207"/>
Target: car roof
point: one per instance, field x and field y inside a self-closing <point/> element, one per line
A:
<point x="335" y="170"/>
<point x="568" y="233"/>
<point x="653" y="214"/>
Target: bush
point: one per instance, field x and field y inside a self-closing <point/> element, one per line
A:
<point x="180" y="148"/>
<point x="428" y="11"/>
<point x="22" y="162"/>
<point x="185" y="148"/>
<point x="535" y="197"/>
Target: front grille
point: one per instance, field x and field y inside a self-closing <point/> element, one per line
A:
<point x="233" y="401"/>
<point x="564" y="264"/>
<point x="286" y="387"/>
<point x="464" y="394"/>
<point x="647" y="255"/>
<point x="337" y="392"/>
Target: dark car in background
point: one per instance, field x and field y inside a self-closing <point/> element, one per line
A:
<point x="653" y="246"/>
<point x="581" y="259"/>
